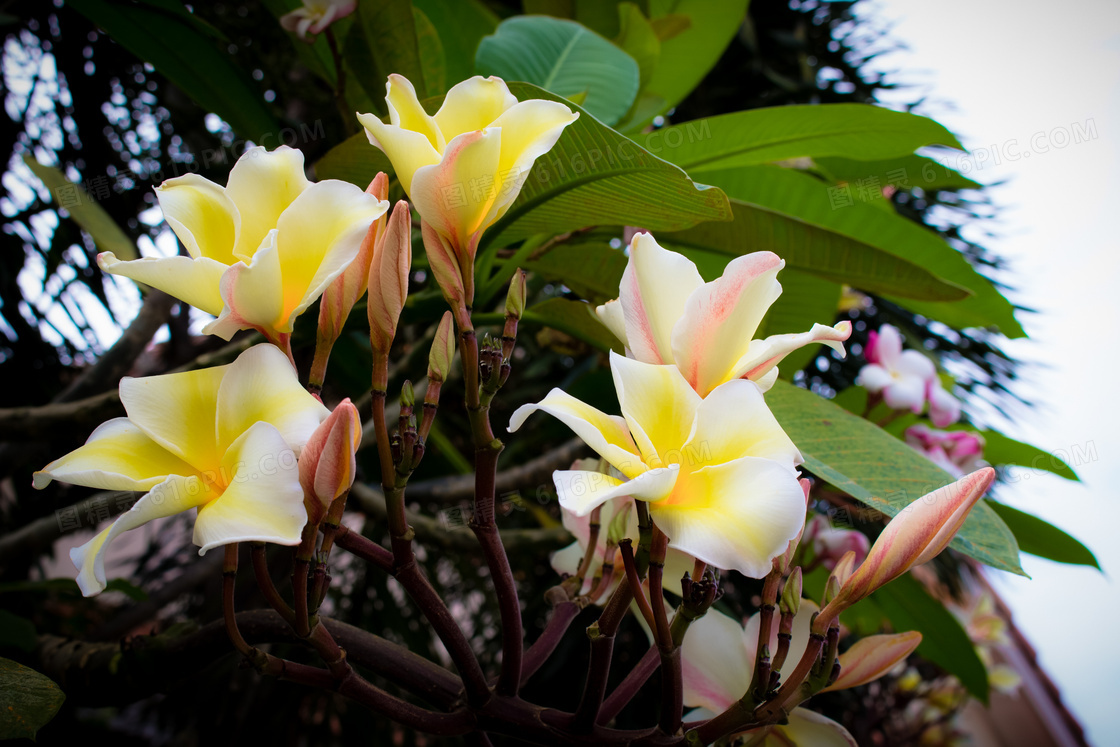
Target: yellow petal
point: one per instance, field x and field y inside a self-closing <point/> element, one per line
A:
<point x="659" y="407"/>
<point x="202" y="215"/>
<point x="655" y="287"/>
<point x="407" y="150"/>
<point x="262" y="185"/>
<point x="455" y="195"/>
<point x="263" y="501"/>
<point x="192" y="281"/>
<point x="318" y="236"/>
<point x="116" y="456"/>
<point x="178" y="411"/>
<point x="406" y="112"/>
<point x="738" y="515"/>
<point x="252" y="295"/>
<point x="262" y="385"/>
<point x="473" y="104"/>
<point x="529" y="130"/>
<point x="172" y="496"/>
<point x="606" y="434"/>
<point x="734" y="421"/>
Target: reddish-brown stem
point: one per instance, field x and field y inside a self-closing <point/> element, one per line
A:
<point x="626" y="549"/>
<point x="630" y="686"/>
<point x="364" y="548"/>
<point x="229" y="580"/>
<point x="672" y="686"/>
<point x="330" y="527"/>
<point x="258" y="554"/>
<point x="537" y="654"/>
<point x="299" y="578"/>
<point x="602" y="650"/>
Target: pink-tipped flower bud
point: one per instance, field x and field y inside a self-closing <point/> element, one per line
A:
<point x="447" y="272"/>
<point x="327" y="464"/>
<point x="791" y="593"/>
<point x="917" y="534"/>
<point x="872" y="657"/>
<point x="388" y="278"/>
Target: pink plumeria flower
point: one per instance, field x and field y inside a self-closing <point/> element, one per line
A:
<point x="315" y="15"/>
<point x="900" y="376"/>
<point x="667" y="314"/>
<point x="830" y="543"/>
<point x="956" y="452"/>
<point x="717" y="662"/>
<point x="944" y="408"/>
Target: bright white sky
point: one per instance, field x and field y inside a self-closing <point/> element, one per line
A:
<point x="1000" y="71"/>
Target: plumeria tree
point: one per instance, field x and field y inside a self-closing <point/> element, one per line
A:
<point x="530" y="226"/>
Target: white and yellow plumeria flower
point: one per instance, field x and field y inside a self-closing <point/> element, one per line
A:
<point x="616" y="516"/>
<point x="224" y="440"/>
<point x="666" y="313"/>
<point x="719" y="473"/>
<point x="262" y="248"/>
<point x="717" y="663"/>
<point x="463" y="167"/>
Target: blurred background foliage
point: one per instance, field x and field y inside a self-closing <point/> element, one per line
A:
<point x="82" y="100"/>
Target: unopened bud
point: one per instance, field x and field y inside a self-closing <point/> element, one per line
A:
<point x="616" y="531"/>
<point x="408" y="396"/>
<point x="791" y="593"/>
<point x="515" y="299"/>
<point x="443" y="349"/>
<point x="327" y="464"/>
<point x="388" y="278"/>
<point x="831" y="589"/>
<point x="446" y="271"/>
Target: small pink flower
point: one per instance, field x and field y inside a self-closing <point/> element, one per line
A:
<point x="831" y="544"/>
<point x="315" y="16"/>
<point x="900" y="376"/>
<point x="956" y="452"/>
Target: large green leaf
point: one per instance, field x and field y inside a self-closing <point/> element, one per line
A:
<point x="905" y="172"/>
<point x="795" y="194"/>
<point x="638" y="39"/>
<point x="999" y="449"/>
<point x="353" y="160"/>
<point x="389" y="27"/>
<point x="814" y="249"/>
<point x="687" y="56"/>
<point x="187" y="56"/>
<point x="563" y="57"/>
<point x="593" y="270"/>
<point x="433" y="60"/>
<point x="28" y="700"/>
<point x="876" y="468"/>
<point x="596" y="177"/>
<point x="806" y="300"/>
<point x="1043" y="539"/>
<point x="461" y="25"/>
<point x="91" y="217"/>
<point x="944" y="642"/>
<point x="746" y="138"/>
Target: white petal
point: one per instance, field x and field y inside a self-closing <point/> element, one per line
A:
<point x="716" y="665"/>
<point x="874" y="378"/>
<point x="580" y="492"/>
<point x="655" y="289"/>
<point x="610" y="314"/>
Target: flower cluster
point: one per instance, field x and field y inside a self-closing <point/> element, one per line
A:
<point x="956" y="452"/>
<point x="905" y="379"/>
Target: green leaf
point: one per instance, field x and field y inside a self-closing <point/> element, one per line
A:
<point x="461" y="25"/>
<point x="390" y="31"/>
<point x="876" y="468"/>
<point x="433" y="61"/>
<point x="905" y="172"/>
<point x="795" y="194"/>
<point x="594" y="176"/>
<point x="1043" y="539"/>
<point x="689" y="53"/>
<point x="999" y="449"/>
<point x="16" y="632"/>
<point x="85" y="211"/>
<point x="806" y="300"/>
<point x="353" y="160"/>
<point x="592" y="270"/>
<point x="944" y="642"/>
<point x="747" y="138"/>
<point x="28" y="700"/>
<point x="187" y="57"/>
<point x="563" y="57"/>
<point x="816" y="250"/>
<point x="574" y="318"/>
<point x="638" y="39"/>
